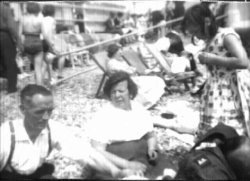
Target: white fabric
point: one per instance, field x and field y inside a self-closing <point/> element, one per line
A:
<point x="48" y="28"/>
<point x="158" y="56"/>
<point x="114" y="65"/>
<point x="179" y="64"/>
<point x="114" y="124"/>
<point x="28" y="156"/>
<point x="162" y="44"/>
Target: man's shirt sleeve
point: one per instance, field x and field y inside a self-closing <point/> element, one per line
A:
<point x="5" y="144"/>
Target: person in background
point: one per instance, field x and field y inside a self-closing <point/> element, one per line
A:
<point x="27" y="143"/>
<point x="157" y="18"/>
<point x="31" y="29"/>
<point x="80" y="23"/>
<point x="226" y="95"/>
<point x="111" y="25"/>
<point x="169" y="10"/>
<point x="49" y="47"/>
<point x="10" y="43"/>
<point x="151" y="88"/>
<point x="181" y="60"/>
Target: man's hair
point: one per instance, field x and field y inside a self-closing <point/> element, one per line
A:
<point x="48" y="10"/>
<point x="33" y="8"/>
<point x="118" y="77"/>
<point x="176" y="43"/>
<point x="237" y="152"/>
<point x="195" y="16"/>
<point x="32" y="89"/>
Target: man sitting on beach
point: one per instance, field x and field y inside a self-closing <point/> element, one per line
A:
<point x="27" y="143"/>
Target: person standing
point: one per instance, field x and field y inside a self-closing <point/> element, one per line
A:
<point x="31" y="28"/>
<point x="49" y="42"/>
<point x="226" y="96"/>
<point x="9" y="43"/>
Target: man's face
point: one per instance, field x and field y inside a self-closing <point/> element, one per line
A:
<point x="38" y="111"/>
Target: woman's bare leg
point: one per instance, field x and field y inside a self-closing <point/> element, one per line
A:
<point x="61" y="62"/>
<point x="38" y="66"/>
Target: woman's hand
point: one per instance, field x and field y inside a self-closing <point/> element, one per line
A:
<point x="134" y="165"/>
<point x="205" y="57"/>
<point x="152" y="154"/>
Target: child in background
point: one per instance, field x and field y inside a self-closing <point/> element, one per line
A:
<point x="179" y="59"/>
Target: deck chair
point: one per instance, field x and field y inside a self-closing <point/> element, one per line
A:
<point x="134" y="60"/>
<point x="170" y="77"/>
<point x="100" y="60"/>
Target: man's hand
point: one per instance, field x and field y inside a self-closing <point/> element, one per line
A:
<point x="152" y="154"/>
<point x="134" y="165"/>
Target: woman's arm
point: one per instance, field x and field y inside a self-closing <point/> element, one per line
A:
<point x="152" y="145"/>
<point x="238" y="59"/>
<point x="173" y="124"/>
<point x="152" y="141"/>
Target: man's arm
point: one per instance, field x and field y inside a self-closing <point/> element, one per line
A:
<point x="5" y="144"/>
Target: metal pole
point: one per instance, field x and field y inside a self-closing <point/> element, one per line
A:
<point x="124" y="36"/>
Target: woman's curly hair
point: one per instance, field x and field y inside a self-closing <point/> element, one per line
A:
<point x="116" y="78"/>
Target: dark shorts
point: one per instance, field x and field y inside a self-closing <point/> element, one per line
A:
<point x="33" y="44"/>
<point x="45" y="46"/>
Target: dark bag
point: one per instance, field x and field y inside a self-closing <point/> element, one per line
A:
<point x="208" y="163"/>
<point x="205" y="164"/>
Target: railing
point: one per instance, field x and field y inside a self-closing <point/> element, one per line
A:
<point x="118" y="38"/>
<point x="130" y="34"/>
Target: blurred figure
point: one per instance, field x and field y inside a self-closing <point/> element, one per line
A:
<point x="157" y="18"/>
<point x="80" y="23"/>
<point x="169" y="10"/>
<point x="111" y="25"/>
<point x="49" y="47"/>
<point x="31" y="28"/>
<point x="9" y="41"/>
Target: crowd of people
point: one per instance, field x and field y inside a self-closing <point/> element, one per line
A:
<point x="34" y="39"/>
<point x="123" y="142"/>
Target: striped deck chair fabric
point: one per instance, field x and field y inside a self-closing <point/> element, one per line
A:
<point x="134" y="60"/>
<point x="100" y="60"/>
